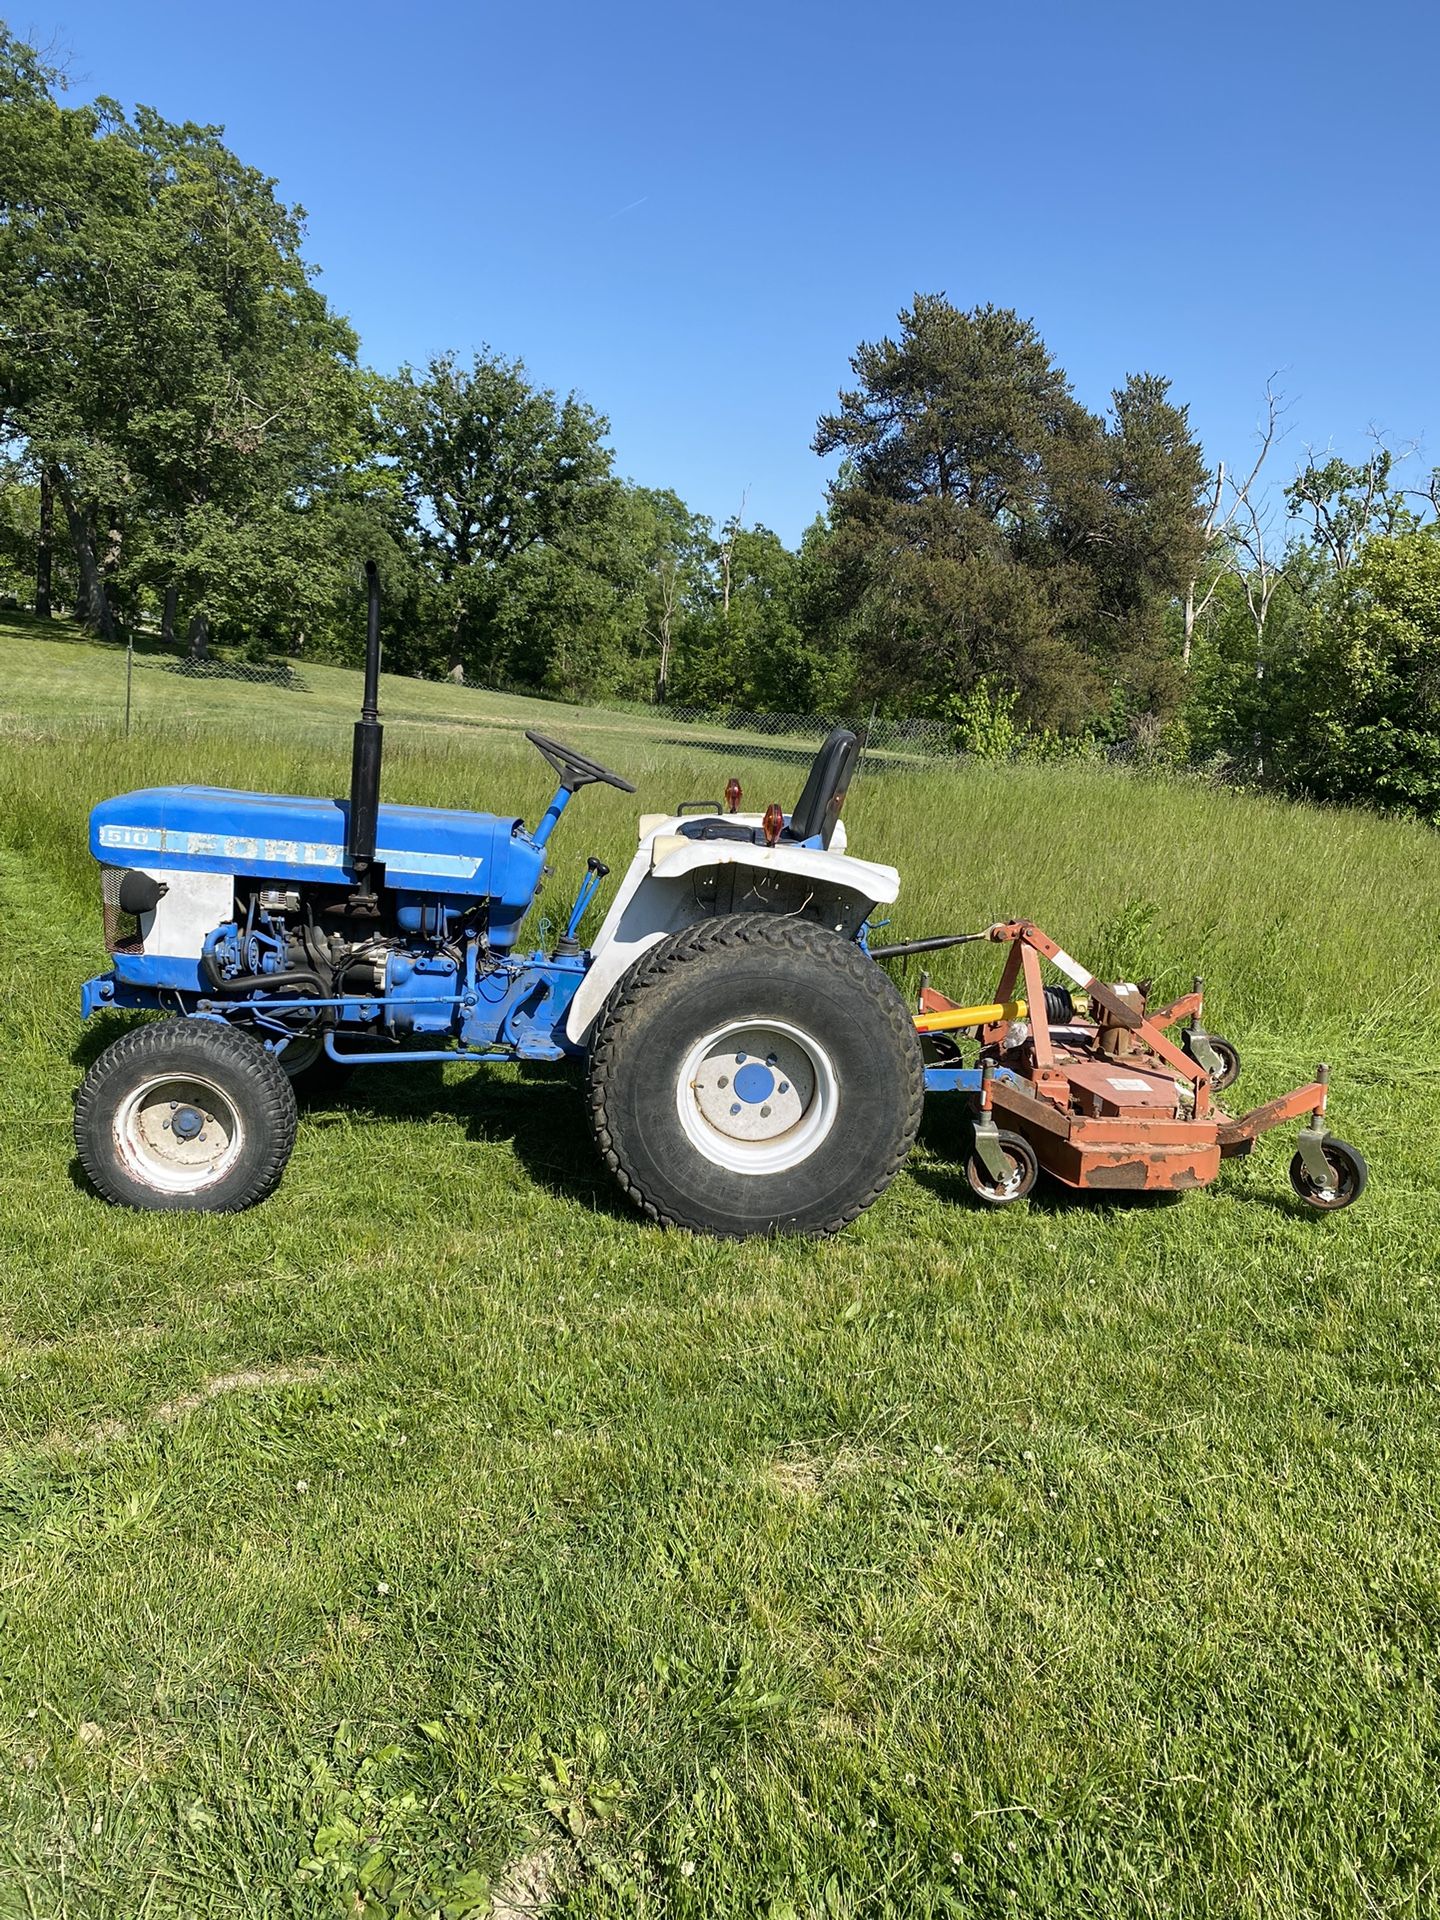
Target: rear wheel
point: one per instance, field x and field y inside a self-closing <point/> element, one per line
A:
<point x="185" y="1115"/>
<point x="755" y="1074"/>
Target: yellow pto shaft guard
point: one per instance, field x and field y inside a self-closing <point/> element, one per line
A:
<point x="982" y="1016"/>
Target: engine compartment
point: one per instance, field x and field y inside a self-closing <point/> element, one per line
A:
<point x="408" y="953"/>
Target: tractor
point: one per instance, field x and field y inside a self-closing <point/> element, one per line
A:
<point x="749" y="1068"/>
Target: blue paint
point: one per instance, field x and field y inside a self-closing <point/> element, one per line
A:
<point x="964" y="1079"/>
<point x="551" y="817"/>
<point x="457" y="884"/>
<point x="157" y="970"/>
<point x="754" y="1082"/>
<point x="291" y="837"/>
<point x="420" y="992"/>
<point x="402" y="1056"/>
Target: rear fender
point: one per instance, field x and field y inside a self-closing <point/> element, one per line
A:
<point x="674" y="882"/>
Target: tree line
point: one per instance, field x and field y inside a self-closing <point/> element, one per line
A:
<point x="192" y="446"/>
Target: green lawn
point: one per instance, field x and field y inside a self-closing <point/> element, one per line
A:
<point x="56" y="674"/>
<point x="439" y="1529"/>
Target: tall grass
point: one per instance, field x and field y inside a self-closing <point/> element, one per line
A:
<point x="437" y="1532"/>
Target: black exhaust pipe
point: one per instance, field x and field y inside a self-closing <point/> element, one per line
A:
<point x="365" y="759"/>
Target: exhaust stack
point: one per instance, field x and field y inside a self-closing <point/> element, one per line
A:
<point x="365" y="758"/>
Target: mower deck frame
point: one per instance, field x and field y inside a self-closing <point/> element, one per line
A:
<point x="1108" y="1103"/>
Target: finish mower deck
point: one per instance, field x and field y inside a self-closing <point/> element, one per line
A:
<point x="1099" y="1091"/>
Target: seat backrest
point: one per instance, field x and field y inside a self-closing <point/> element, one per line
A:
<point x="818" y="807"/>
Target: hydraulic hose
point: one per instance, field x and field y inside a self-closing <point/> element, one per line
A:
<point x="301" y="977"/>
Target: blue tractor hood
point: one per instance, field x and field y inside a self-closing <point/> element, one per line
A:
<point x="273" y="836"/>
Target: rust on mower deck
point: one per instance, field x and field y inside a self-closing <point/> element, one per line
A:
<point x="1108" y="1095"/>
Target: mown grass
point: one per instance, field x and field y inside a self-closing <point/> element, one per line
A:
<point x="61" y="674"/>
<point x="439" y="1523"/>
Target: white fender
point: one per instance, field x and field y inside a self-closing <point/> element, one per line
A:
<point x="657" y="895"/>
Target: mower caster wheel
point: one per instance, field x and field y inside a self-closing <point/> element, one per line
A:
<point x="1024" y="1171"/>
<point x="1230" y="1063"/>
<point x="185" y="1116"/>
<point x="1346" y="1163"/>
<point x="1228" y="1055"/>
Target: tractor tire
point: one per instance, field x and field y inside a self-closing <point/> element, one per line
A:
<point x="755" y="1074"/>
<point x="185" y="1116"/>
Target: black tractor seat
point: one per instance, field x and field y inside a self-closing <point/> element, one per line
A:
<point x="817" y="809"/>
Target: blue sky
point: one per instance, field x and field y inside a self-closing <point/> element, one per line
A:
<point x="692" y="214"/>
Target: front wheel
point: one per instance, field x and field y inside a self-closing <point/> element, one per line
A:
<point x="185" y="1115"/>
<point x="755" y="1074"/>
<point x="1228" y="1055"/>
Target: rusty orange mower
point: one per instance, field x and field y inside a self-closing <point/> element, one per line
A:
<point x="1098" y="1090"/>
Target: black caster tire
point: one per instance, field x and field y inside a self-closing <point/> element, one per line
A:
<point x="1230" y="1060"/>
<point x="1025" y="1171"/>
<point x="755" y="1074"/>
<point x="1229" y="1056"/>
<point x="1351" y="1173"/>
<point x="185" y="1116"/>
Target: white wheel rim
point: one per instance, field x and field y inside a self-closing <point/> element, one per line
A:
<point x="757" y="1096"/>
<point x="178" y="1133"/>
<point x="1012" y="1182"/>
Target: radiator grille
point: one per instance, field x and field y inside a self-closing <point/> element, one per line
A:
<point x="122" y="930"/>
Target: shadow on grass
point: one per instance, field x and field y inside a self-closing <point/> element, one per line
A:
<point x="948" y="1183"/>
<point x="535" y="1108"/>
<point x="945" y="1133"/>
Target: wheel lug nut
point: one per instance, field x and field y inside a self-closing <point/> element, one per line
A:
<point x="771" y="1058"/>
<point x="784" y="1086"/>
<point x="764" y="1113"/>
<point x="736" y="1107"/>
<point x="723" y="1081"/>
<point x="740" y="1059"/>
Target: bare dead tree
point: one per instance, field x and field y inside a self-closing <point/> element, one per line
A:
<point x="727" y="554"/>
<point x="663" y="632"/>
<point x="1430" y="493"/>
<point x="1223" y="524"/>
<point x="1252" y="546"/>
<point x="1213" y="567"/>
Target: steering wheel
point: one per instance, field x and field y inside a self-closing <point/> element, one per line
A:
<point x="575" y="769"/>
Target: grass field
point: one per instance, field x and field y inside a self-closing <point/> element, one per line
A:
<point x="437" y="1538"/>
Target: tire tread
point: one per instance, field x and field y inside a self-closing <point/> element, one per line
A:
<point x="755" y="930"/>
<point x="240" y="1054"/>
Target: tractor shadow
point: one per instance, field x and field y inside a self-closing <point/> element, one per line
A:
<point x="538" y="1112"/>
<point x="536" y="1109"/>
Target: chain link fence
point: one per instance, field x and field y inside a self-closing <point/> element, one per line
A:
<point x="777" y="734"/>
<point x="271" y="673"/>
<point x="920" y="739"/>
<point x="312" y="697"/>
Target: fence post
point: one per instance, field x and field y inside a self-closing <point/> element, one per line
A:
<point x="129" y="669"/>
